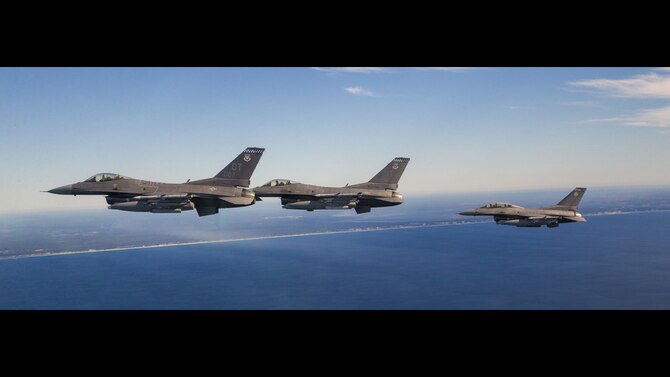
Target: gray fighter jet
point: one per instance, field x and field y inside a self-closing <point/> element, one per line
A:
<point x="227" y="189"/>
<point x="509" y="214"/>
<point x="378" y="192"/>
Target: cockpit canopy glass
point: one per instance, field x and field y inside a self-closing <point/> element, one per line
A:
<point x="279" y="182"/>
<point x="499" y="205"/>
<point x="104" y="177"/>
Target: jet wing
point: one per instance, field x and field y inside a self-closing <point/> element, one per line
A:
<point x="338" y="199"/>
<point x="207" y="204"/>
<point x="162" y="198"/>
<point x="186" y="197"/>
<point x="338" y="195"/>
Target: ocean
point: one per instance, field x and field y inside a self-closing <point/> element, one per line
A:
<point x="617" y="261"/>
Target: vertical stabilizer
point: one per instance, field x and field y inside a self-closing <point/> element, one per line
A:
<point x="388" y="177"/>
<point x="572" y="200"/>
<point x="238" y="172"/>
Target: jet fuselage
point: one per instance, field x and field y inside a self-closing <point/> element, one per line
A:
<point x="527" y="217"/>
<point x="134" y="187"/>
<point x="380" y="191"/>
<point x="309" y="197"/>
<point x="229" y="188"/>
<point x="510" y="214"/>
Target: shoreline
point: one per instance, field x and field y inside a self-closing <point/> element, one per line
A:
<point x="310" y="234"/>
<point x="257" y="238"/>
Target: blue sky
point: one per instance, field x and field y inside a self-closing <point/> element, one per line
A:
<point x="485" y="129"/>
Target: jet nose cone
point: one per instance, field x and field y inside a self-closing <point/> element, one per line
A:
<point x="63" y="190"/>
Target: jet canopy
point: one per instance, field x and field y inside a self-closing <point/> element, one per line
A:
<point x="500" y="205"/>
<point x="279" y="182"/>
<point x="104" y="177"/>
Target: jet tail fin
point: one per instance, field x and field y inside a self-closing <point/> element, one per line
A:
<point x="239" y="171"/>
<point x="388" y="177"/>
<point x="571" y="201"/>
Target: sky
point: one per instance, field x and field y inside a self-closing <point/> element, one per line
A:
<point x="465" y="129"/>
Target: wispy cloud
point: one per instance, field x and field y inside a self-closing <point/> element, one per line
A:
<point x="649" y="118"/>
<point x="359" y="91"/>
<point x="446" y="69"/>
<point x="652" y="85"/>
<point x="600" y="120"/>
<point x="649" y="85"/>
<point x="351" y="69"/>
<point x="389" y="69"/>
<point x="656" y="118"/>
<point x="580" y="103"/>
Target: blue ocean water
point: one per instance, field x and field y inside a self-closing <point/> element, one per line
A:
<point x="610" y="262"/>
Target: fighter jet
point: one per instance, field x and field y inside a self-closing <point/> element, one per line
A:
<point x="378" y="192"/>
<point x="227" y="189"/>
<point x="509" y="214"/>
